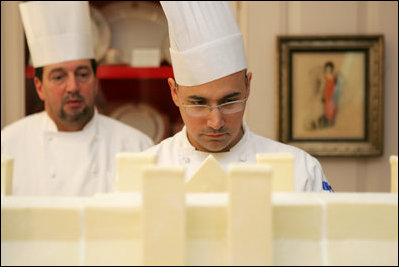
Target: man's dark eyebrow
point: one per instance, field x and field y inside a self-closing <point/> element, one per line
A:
<point x="82" y="68"/>
<point x="195" y="97"/>
<point x="231" y="95"/>
<point x="61" y="69"/>
<point x="200" y="98"/>
<point x="55" y="70"/>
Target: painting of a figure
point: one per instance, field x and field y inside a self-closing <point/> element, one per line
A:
<point x="331" y="84"/>
<point x="328" y="92"/>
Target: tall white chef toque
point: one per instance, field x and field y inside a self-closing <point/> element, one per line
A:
<point x="57" y="31"/>
<point x="205" y="41"/>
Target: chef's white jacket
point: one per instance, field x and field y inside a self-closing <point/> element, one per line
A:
<point x="177" y="150"/>
<point x="81" y="163"/>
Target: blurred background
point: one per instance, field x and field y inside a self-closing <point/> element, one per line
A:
<point x="131" y="44"/>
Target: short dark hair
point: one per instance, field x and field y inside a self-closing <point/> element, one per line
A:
<point x="329" y="64"/>
<point x="39" y="71"/>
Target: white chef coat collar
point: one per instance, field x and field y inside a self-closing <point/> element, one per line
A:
<point x="50" y="126"/>
<point x="188" y="147"/>
<point x="241" y="145"/>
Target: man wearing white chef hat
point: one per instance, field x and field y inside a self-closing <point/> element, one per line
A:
<point x="211" y="90"/>
<point x="68" y="149"/>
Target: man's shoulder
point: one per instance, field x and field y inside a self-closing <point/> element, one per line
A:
<point x="116" y="126"/>
<point x="26" y="123"/>
<point x="167" y="145"/>
<point x="111" y="129"/>
<point x="267" y="145"/>
<point x="308" y="170"/>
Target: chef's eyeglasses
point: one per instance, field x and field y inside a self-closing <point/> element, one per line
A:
<point x="225" y="108"/>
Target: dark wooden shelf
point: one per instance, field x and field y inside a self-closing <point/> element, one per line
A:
<point x="124" y="72"/>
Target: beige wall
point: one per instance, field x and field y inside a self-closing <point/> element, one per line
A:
<point x="12" y="64"/>
<point x="260" y="23"/>
<point x="264" y="20"/>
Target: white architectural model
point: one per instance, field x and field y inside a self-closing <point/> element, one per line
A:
<point x="210" y="177"/>
<point x="163" y="224"/>
<point x="283" y="170"/>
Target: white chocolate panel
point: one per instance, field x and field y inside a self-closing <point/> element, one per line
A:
<point x="39" y="253"/>
<point x="366" y="252"/>
<point x="249" y="227"/>
<point x="210" y="177"/>
<point x="361" y="229"/>
<point x="40" y="231"/>
<point x="198" y="229"/>
<point x="393" y="161"/>
<point x="349" y="229"/>
<point x="207" y="252"/>
<point x="297" y="229"/>
<point x="129" y="168"/>
<point x="206" y="215"/>
<point x="113" y="230"/>
<point x="297" y="216"/>
<point x="163" y="215"/>
<point x="363" y="216"/>
<point x="7" y="164"/>
<point x="206" y="228"/>
<point x="297" y="252"/>
<point x="283" y="170"/>
<point x="40" y="218"/>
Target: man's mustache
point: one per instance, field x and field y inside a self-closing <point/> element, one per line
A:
<point x="74" y="96"/>
<point x="222" y="130"/>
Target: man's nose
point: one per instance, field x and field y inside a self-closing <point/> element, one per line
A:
<point x="215" y="119"/>
<point x="72" y="85"/>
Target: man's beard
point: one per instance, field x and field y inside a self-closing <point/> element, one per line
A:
<point x="76" y="117"/>
<point x="81" y="116"/>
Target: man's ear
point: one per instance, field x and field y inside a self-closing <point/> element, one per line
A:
<point x="173" y="91"/>
<point x="96" y="85"/>
<point x="249" y="77"/>
<point x="39" y="88"/>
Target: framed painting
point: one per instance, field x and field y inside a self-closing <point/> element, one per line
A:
<point x="330" y="93"/>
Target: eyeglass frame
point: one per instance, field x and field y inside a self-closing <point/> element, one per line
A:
<point x="217" y="106"/>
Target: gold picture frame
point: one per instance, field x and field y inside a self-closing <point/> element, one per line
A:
<point x="330" y="94"/>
